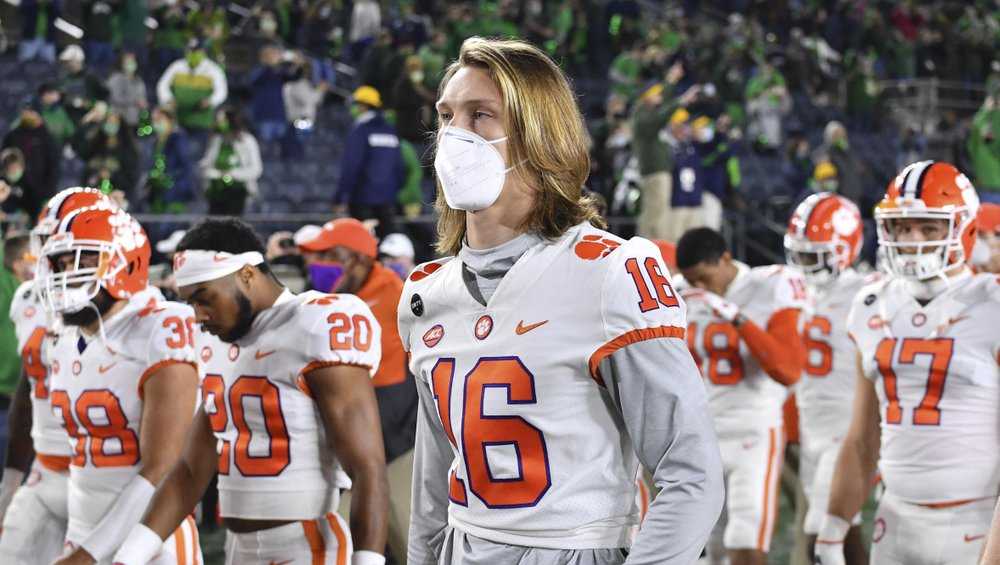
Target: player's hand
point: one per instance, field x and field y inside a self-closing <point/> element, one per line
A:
<point x="719" y="305"/>
<point x="78" y="557"/>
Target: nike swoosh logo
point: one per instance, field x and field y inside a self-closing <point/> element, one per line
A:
<point x="285" y="562"/>
<point x="102" y="369"/>
<point x="953" y="321"/>
<point x="522" y="329"/>
<point x="969" y="538"/>
<point x="262" y="354"/>
<point x="219" y="258"/>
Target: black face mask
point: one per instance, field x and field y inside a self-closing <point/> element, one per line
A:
<point x="87" y="315"/>
<point x="244" y="318"/>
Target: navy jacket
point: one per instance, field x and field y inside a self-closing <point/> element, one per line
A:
<point x="268" y="101"/>
<point x="688" y="177"/>
<point x="29" y="15"/>
<point x="371" y="168"/>
<point x="180" y="168"/>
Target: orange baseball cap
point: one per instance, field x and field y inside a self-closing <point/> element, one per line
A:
<point x="988" y="218"/>
<point x="345" y="232"/>
<point x="669" y="252"/>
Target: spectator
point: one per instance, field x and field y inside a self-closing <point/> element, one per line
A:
<point x="57" y="121"/>
<point x="912" y="148"/>
<point x="231" y="165"/>
<point x="767" y="104"/>
<point x="411" y="196"/>
<point x="132" y="23"/>
<point x="266" y="83"/>
<point x="853" y="179"/>
<point x="984" y="147"/>
<point x="38" y="30"/>
<point x="11" y="192"/>
<point x="686" y="210"/>
<point x="171" y="35"/>
<point x="81" y="89"/>
<point x="413" y="103"/>
<point x="372" y="168"/>
<point x="302" y="99"/>
<point x="170" y="183"/>
<point x="111" y="156"/>
<point x="396" y="252"/>
<point x="127" y="91"/>
<point x="720" y="169"/>
<point x="41" y="158"/>
<point x="17" y="268"/>
<point x="654" y="157"/>
<point x="99" y="30"/>
<point x="366" y="20"/>
<point x="342" y="258"/>
<point x="194" y="87"/>
<point x="825" y="178"/>
<point x="434" y="55"/>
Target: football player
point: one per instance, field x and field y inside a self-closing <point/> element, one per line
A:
<point x="927" y="399"/>
<point x="122" y="376"/>
<point x="549" y="354"/>
<point x="34" y="516"/>
<point x="823" y="241"/>
<point x="743" y="331"/>
<point x="287" y="401"/>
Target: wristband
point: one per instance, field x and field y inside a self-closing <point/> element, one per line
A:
<point x="833" y="530"/>
<point x="123" y="515"/>
<point x="140" y="547"/>
<point x="365" y="557"/>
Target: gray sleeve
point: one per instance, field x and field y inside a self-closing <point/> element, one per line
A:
<point x="432" y="458"/>
<point x="662" y="399"/>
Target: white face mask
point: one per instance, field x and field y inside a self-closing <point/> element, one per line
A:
<point x="470" y="168"/>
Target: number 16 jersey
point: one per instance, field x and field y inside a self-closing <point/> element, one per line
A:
<point x="539" y="455"/>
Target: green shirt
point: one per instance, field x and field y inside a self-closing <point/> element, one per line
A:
<point x="653" y="154"/>
<point x="985" y="154"/>
<point x="10" y="358"/>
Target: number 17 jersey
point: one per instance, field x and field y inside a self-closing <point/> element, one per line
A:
<point x="539" y="453"/>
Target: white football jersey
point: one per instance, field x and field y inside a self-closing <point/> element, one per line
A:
<point x="825" y="394"/>
<point x="97" y="387"/>
<point x="935" y="372"/>
<point x="274" y="459"/>
<point x="541" y="457"/>
<point x="33" y="328"/>
<point x="740" y="392"/>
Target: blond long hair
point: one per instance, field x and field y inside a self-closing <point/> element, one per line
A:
<point x="545" y="135"/>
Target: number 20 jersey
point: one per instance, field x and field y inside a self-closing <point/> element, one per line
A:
<point x="541" y="456"/>
<point x="274" y="459"/>
<point x="935" y="373"/>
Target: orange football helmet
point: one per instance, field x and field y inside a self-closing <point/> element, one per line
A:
<point x="64" y="202"/>
<point x="824" y="237"/>
<point x="928" y="190"/>
<point x="122" y="266"/>
<point x="988" y="218"/>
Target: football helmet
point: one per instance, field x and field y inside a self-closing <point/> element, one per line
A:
<point x="64" y="202"/>
<point x="928" y="190"/>
<point x="824" y="237"/>
<point x="122" y="258"/>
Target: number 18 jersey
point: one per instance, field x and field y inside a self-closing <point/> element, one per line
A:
<point x="274" y="459"/>
<point x="539" y="453"/>
<point x="935" y="371"/>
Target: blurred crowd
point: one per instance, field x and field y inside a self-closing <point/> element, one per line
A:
<point x="177" y="107"/>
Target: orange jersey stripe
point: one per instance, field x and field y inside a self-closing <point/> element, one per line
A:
<point x="195" y="542"/>
<point x="628" y="338"/>
<point x="156" y="367"/>
<point x="950" y="503"/>
<point x="764" y="534"/>
<point x="316" y="544"/>
<point x="179" y="545"/>
<point x="341" y="536"/>
<point x="55" y="463"/>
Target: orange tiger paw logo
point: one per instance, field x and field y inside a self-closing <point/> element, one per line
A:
<point x="424" y="272"/>
<point x="595" y="247"/>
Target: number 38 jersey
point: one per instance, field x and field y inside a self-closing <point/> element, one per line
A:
<point x="740" y="392"/>
<point x="274" y="459"/>
<point x="539" y="454"/>
<point x="33" y="329"/>
<point x="935" y="373"/>
<point x="97" y="394"/>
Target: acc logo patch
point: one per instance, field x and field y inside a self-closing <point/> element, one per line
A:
<point x="433" y="336"/>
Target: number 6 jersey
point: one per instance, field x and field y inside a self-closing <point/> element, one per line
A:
<point x="539" y="454"/>
<point x="274" y="460"/>
<point x="935" y="372"/>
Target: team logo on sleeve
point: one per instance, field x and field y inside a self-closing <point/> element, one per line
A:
<point x="433" y="336"/>
<point x="593" y="247"/>
<point x="484" y="326"/>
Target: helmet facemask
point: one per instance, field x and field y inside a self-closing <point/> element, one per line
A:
<point x="921" y="261"/>
<point x="74" y="288"/>
<point x="819" y="262"/>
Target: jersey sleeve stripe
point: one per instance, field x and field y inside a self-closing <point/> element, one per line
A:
<point x="156" y="367"/>
<point x="323" y="364"/>
<point x="55" y="463"/>
<point x="180" y="549"/>
<point x="628" y="338"/>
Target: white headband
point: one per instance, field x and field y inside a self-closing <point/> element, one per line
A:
<point x="196" y="266"/>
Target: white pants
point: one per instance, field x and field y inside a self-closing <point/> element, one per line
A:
<point x="819" y="459"/>
<point x="712" y="208"/>
<point x="910" y="534"/>
<point x="752" y="464"/>
<point x="460" y="548"/>
<point x="181" y="548"/>
<point x="35" y="525"/>
<point x="324" y="540"/>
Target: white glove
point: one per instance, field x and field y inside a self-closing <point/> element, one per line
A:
<point x="365" y="557"/>
<point x="722" y="307"/>
<point x="830" y="540"/>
